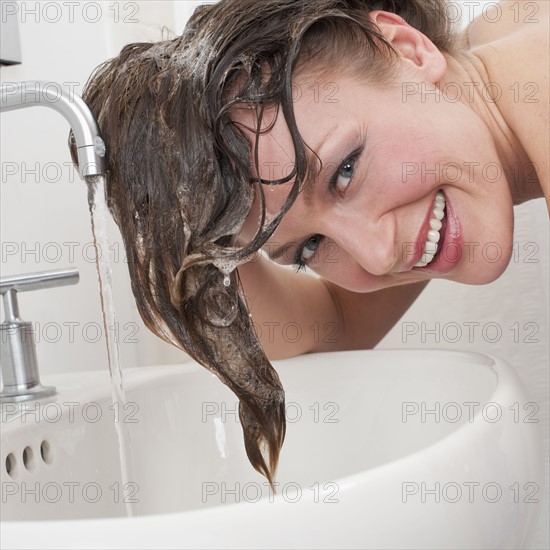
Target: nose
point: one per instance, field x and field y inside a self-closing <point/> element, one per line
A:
<point x="370" y="243"/>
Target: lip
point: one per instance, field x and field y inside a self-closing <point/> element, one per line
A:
<point x="451" y="244"/>
<point x="418" y="245"/>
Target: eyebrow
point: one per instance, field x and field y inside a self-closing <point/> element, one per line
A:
<point x="317" y="167"/>
<point x="281" y="251"/>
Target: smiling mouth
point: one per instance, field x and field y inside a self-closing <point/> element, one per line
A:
<point x="437" y="228"/>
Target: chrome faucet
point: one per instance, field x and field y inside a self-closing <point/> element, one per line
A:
<point x="17" y="353"/>
<point x="90" y="146"/>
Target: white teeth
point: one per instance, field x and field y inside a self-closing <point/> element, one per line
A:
<point x="435" y="224"/>
<point x="430" y="246"/>
<point x="438" y="213"/>
<point x="434" y="235"/>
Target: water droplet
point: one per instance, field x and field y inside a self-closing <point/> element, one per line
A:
<point x="218" y="307"/>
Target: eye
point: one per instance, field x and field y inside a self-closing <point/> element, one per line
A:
<point x="341" y="179"/>
<point x="307" y="251"/>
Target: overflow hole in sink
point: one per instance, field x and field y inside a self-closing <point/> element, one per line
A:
<point x="46" y="452"/>
<point x="11" y="465"/>
<point x="28" y="458"/>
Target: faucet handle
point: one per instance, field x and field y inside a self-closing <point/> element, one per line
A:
<point x="18" y="353"/>
<point x="41" y="279"/>
<point x="10" y="286"/>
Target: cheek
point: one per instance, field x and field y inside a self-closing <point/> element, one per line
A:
<point x="487" y="227"/>
<point x="345" y="274"/>
<point x="424" y="139"/>
<point x="411" y="160"/>
<point x="338" y="267"/>
<point x="399" y="173"/>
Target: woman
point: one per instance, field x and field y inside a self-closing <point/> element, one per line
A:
<point x="362" y="138"/>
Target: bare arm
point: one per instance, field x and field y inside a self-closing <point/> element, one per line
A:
<point x="296" y="313"/>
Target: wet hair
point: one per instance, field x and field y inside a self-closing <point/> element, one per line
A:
<point x="179" y="180"/>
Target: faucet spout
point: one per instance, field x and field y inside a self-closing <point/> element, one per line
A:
<point x="90" y="146"/>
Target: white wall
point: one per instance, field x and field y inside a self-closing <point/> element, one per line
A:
<point x="45" y="223"/>
<point x="49" y="214"/>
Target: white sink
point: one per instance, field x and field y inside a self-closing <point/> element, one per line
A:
<point x="365" y="463"/>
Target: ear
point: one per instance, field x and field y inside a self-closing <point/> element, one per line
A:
<point x="416" y="50"/>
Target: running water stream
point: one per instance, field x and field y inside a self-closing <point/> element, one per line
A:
<point x="98" y="212"/>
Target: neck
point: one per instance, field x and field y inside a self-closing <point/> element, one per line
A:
<point x="468" y="71"/>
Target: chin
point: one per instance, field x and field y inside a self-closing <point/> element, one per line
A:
<point x="481" y="272"/>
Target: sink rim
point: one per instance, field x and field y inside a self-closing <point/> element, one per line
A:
<point x="139" y="375"/>
<point x="165" y="526"/>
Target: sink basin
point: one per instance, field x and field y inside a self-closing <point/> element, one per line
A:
<point x="384" y="449"/>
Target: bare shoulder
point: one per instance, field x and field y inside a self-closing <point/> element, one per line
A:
<point x="516" y="55"/>
<point x="506" y="17"/>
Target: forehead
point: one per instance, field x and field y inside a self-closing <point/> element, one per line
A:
<point x="321" y="108"/>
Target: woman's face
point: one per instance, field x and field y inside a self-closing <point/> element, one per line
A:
<point x="364" y="220"/>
